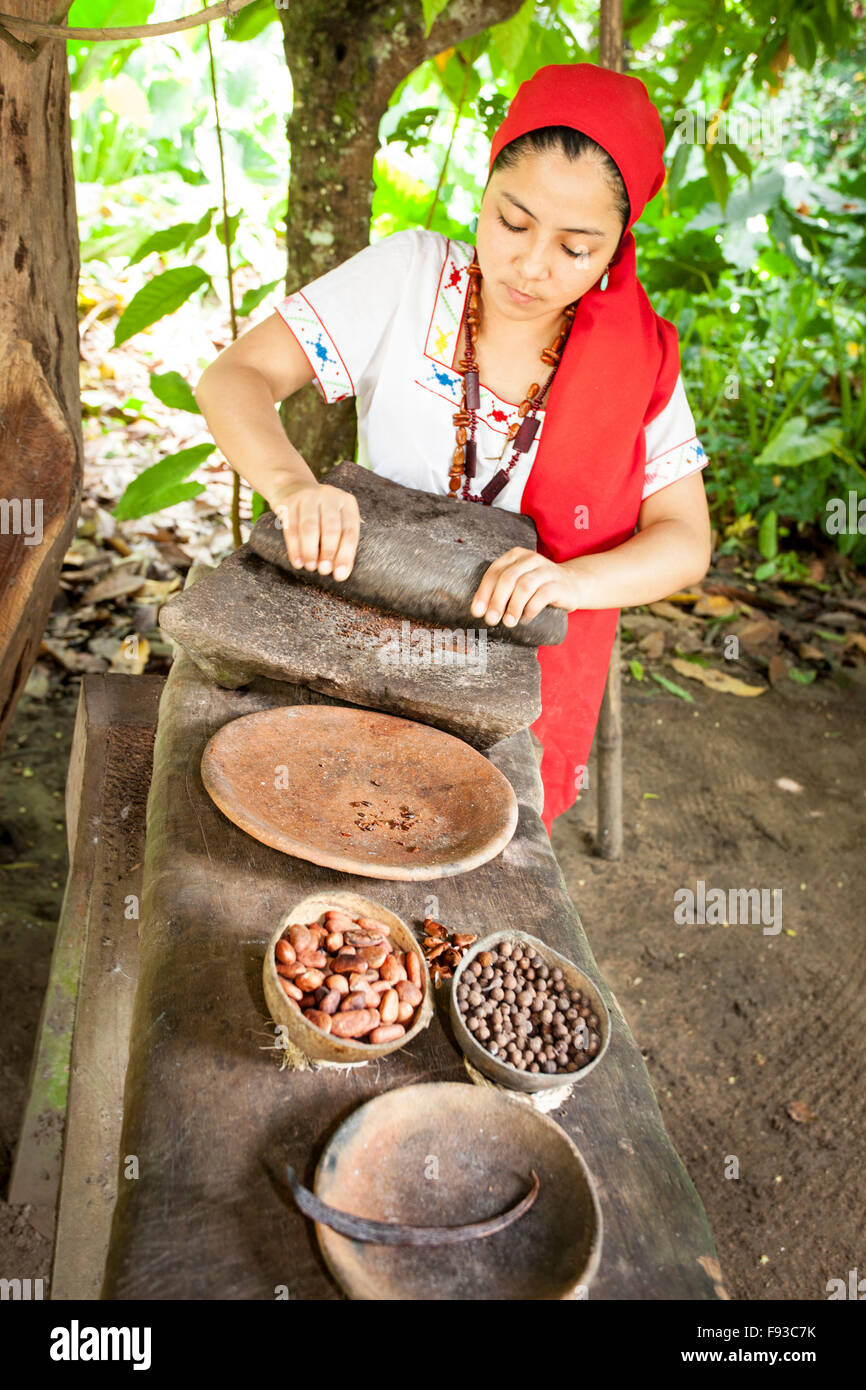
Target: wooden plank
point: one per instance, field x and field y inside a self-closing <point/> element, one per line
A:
<point x="125" y="708"/>
<point x="113" y="712"/>
<point x="210" y="1116"/>
<point x="35" y="1177"/>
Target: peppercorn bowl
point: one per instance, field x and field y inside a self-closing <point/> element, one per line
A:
<point x="350" y="1048"/>
<point x="568" y="990"/>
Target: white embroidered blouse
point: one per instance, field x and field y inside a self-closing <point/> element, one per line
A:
<point x="382" y="327"/>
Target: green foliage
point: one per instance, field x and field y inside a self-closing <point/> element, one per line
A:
<point x="181" y="236"/>
<point x="162" y="484"/>
<point x="173" y="391"/>
<point x="754" y="248"/>
<point x="432" y="11"/>
<point x="160" y="296"/>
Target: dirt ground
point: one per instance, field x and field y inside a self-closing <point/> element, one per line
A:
<point x="754" y="1039"/>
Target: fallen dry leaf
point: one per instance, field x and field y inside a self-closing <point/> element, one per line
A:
<point x="72" y="660"/>
<point x="160" y="588"/>
<point x="756" y="632"/>
<point x="663" y="609"/>
<point x="799" y="1111"/>
<point x="131" y="665"/>
<point x="120" y="584"/>
<point x="716" y="680"/>
<point x="778" y="670"/>
<point x="807" y="651"/>
<point x="714" y="606"/>
<point x="855" y="639"/>
<point x="686" y="595"/>
<point x="653" y="645"/>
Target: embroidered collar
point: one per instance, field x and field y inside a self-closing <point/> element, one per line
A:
<point x="445" y="319"/>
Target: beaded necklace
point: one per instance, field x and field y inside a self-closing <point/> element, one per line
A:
<point x="466" y="418"/>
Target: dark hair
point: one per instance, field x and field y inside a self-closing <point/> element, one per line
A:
<point x="574" y="145"/>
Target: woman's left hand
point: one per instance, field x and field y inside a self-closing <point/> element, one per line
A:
<point x="520" y="583"/>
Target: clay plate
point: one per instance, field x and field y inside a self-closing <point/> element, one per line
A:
<point x="289" y="777"/>
<point x="445" y="1154"/>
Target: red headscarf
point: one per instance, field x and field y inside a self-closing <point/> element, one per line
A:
<point x="617" y="372"/>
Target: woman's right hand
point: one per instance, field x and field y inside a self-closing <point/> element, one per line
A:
<point x="321" y="527"/>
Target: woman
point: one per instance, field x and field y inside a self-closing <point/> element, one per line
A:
<point x="533" y="376"/>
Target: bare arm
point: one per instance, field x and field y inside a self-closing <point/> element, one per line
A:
<point x="237" y="394"/>
<point x="671" y="549"/>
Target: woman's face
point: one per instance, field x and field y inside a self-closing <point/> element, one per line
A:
<point x="547" y="229"/>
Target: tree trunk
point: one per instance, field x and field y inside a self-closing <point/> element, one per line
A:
<point x="346" y="58"/>
<point x="41" y="446"/>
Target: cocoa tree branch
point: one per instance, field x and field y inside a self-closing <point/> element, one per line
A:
<point x="224" y="10"/>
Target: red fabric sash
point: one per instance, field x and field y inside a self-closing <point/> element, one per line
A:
<point x="618" y="371"/>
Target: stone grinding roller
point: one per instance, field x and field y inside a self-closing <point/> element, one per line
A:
<point x="420" y="555"/>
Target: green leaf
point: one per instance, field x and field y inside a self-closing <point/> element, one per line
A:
<point x="162" y="484"/>
<point x="253" y="298"/>
<point x="766" y="570"/>
<point x="234" y="221"/>
<point x="802" y="42"/>
<point x="717" y="174"/>
<point x="413" y="128"/>
<point x="259" y="505"/>
<point x="738" y="157"/>
<point x="636" y="669"/>
<point x="432" y="11"/>
<point x="160" y="296"/>
<point x="672" y="687"/>
<point x="768" y="541"/>
<point x="798" y="442"/>
<point x="183" y="234"/>
<point x="678" y="168"/>
<point x="251" y="21"/>
<point x="510" y="39"/>
<point x="174" y="391"/>
<point x="801" y="677"/>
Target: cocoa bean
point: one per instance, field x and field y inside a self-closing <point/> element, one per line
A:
<point x="318" y="1019"/>
<point x="355" y="1023"/>
<point x="387" y="1034"/>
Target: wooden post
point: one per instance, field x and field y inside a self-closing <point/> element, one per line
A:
<point x="609" y="734"/>
<point x="610" y="35"/>
<point x="609" y="740"/>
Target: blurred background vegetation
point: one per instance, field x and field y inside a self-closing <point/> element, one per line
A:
<point x="754" y="248"/>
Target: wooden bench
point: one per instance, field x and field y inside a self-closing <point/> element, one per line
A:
<point x="208" y="1114"/>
